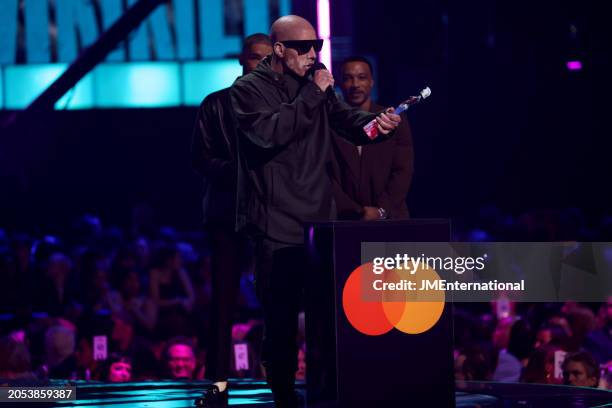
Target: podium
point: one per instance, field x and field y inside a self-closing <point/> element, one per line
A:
<point x="345" y="368"/>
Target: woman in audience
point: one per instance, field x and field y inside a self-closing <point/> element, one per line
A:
<point x="116" y="369"/>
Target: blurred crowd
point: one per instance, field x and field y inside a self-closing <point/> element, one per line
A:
<point x="103" y="303"/>
<point x="112" y="304"/>
<point x="543" y="343"/>
<point x="546" y="343"/>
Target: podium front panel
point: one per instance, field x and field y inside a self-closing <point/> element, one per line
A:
<point x="347" y="368"/>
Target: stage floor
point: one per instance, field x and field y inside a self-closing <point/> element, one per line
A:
<point x="252" y="393"/>
<point x="164" y="394"/>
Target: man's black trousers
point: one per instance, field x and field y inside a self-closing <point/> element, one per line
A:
<point x="229" y="257"/>
<point x="280" y="286"/>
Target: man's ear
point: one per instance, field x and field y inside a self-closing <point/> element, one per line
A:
<point x="279" y="50"/>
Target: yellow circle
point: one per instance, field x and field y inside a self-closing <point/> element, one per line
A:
<point x="422" y="308"/>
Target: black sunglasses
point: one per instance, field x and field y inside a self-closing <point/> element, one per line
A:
<point x="303" y="46"/>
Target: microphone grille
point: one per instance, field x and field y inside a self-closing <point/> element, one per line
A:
<point x="425" y="93"/>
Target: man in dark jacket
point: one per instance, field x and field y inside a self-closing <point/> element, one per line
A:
<point x="370" y="182"/>
<point x="213" y="155"/>
<point x="285" y="121"/>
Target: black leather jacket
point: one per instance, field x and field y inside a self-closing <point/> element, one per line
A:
<point x="213" y="155"/>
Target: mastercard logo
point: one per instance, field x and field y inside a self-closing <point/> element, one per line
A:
<point x="376" y="312"/>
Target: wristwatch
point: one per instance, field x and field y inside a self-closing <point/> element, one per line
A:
<point x="382" y="213"/>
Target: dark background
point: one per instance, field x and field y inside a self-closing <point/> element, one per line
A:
<point x="507" y="124"/>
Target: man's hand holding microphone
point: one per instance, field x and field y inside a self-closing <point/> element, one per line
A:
<point x="323" y="79"/>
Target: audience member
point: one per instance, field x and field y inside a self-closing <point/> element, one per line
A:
<point x="179" y="359"/>
<point x="551" y="334"/>
<point x="510" y="361"/>
<point x="125" y="341"/>
<point x="301" y="371"/>
<point x="541" y="366"/>
<point x="12" y="284"/>
<point x="96" y="289"/>
<point x="581" y="320"/>
<point x="599" y="341"/>
<point x="60" y="358"/>
<point x="15" y="362"/>
<point x="605" y="382"/>
<point x="56" y="292"/>
<point x="501" y="335"/>
<point x="172" y="293"/>
<point x="130" y="299"/>
<point x="473" y="364"/>
<point x="116" y="369"/>
<point x="581" y="370"/>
